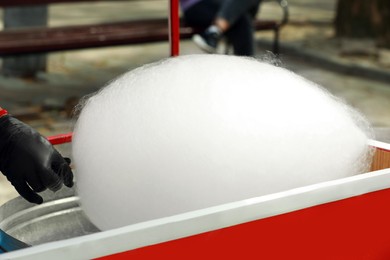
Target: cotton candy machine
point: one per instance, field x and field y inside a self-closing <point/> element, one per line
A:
<point x="59" y="217"/>
<point x="346" y="218"/>
<point x="354" y="208"/>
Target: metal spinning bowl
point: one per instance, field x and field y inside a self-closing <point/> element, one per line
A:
<point x="59" y="217"/>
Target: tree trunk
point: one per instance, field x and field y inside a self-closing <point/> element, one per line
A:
<point x="364" y="19"/>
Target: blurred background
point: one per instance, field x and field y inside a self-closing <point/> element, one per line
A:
<point x="343" y="45"/>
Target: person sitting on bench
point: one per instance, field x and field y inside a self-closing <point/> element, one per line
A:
<point x="232" y="18"/>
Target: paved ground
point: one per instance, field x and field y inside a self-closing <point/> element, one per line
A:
<point x="308" y="44"/>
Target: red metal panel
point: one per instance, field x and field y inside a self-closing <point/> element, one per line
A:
<point x="60" y="139"/>
<point x="174" y="27"/>
<point x="353" y="228"/>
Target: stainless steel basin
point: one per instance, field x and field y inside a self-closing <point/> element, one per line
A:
<point x="59" y="217"/>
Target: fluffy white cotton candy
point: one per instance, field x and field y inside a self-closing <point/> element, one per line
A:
<point x="202" y="130"/>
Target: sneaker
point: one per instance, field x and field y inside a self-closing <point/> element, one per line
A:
<point x="208" y="40"/>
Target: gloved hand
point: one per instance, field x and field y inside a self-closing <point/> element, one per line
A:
<point x="29" y="161"/>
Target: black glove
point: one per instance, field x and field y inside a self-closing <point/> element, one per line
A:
<point x="29" y="161"/>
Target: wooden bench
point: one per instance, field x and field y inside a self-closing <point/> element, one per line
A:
<point x="43" y="40"/>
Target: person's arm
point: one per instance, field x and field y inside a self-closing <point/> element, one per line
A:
<point x="29" y="161"/>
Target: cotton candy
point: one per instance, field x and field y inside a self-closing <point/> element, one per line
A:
<point x="196" y="131"/>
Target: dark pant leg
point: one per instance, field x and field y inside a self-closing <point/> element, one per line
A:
<point x="240" y="14"/>
<point x="232" y="10"/>
<point x="240" y="35"/>
<point x="201" y="14"/>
